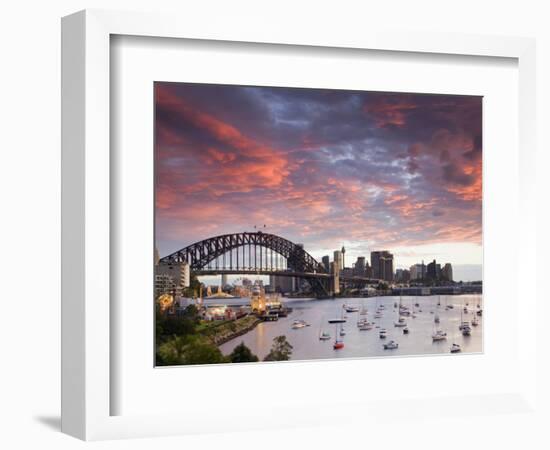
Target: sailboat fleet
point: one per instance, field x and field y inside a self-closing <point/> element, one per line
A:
<point x="468" y="318"/>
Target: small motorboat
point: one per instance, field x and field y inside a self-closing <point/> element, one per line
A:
<point x="342" y="320"/>
<point x="299" y="324"/>
<point x="406" y="330"/>
<point x="466" y="331"/>
<point x="342" y="332"/>
<point x="400" y="323"/>
<point x="436" y="318"/>
<point x="324" y="336"/>
<point x="338" y="345"/>
<point x="351" y="308"/>
<point x="417" y="304"/>
<point x="382" y="333"/>
<point x="392" y="345"/>
<point x="439" y="335"/>
<point x="378" y="315"/>
<point x="455" y="348"/>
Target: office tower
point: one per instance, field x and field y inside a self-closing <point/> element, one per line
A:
<point x="382" y="265"/>
<point x="432" y="270"/>
<point x="326" y="263"/>
<point x="447" y="272"/>
<point x="338" y="260"/>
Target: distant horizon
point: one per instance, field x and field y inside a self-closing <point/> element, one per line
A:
<point x="326" y="168"/>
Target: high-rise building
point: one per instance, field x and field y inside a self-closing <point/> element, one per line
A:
<point x="326" y="262"/>
<point x="335" y="280"/>
<point x="368" y="271"/>
<point x="180" y="273"/>
<point x="338" y="259"/>
<point x="418" y="271"/>
<point x="402" y="275"/>
<point x="447" y="272"/>
<point x="382" y="265"/>
<point x="359" y="270"/>
<point x="431" y="271"/>
<point x="375" y="264"/>
<point x="343" y="257"/>
<point x="388" y="267"/>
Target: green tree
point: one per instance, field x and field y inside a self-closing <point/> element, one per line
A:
<point x="199" y="351"/>
<point x="172" y="352"/>
<point x="181" y="350"/>
<point x="241" y="353"/>
<point x="280" y="350"/>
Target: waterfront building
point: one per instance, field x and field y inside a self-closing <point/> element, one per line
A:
<point x="224" y="280"/>
<point x="382" y="265"/>
<point x="447" y="272"/>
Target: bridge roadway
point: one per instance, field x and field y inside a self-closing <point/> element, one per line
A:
<point x="283" y="273"/>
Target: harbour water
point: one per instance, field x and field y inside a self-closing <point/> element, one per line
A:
<point x="357" y="343"/>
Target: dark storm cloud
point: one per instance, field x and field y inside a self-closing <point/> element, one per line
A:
<point x="398" y="167"/>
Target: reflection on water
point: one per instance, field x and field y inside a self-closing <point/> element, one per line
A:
<point x="418" y="341"/>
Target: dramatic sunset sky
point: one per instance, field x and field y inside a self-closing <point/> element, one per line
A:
<point x="326" y="168"/>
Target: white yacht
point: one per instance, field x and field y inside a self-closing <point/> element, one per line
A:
<point x="401" y="322"/>
<point x="299" y="324"/>
<point x="439" y="335"/>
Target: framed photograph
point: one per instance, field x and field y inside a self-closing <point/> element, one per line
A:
<point x="269" y="212"/>
<point x="317" y="178"/>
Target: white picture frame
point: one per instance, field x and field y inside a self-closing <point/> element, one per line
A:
<point x="86" y="239"/>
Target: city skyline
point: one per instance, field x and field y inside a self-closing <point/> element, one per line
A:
<point x="365" y="170"/>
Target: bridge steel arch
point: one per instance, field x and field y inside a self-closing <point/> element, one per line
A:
<point x="200" y="254"/>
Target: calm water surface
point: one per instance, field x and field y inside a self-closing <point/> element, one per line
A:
<point x="367" y="343"/>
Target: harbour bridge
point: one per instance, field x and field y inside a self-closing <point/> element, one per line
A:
<point x="261" y="254"/>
